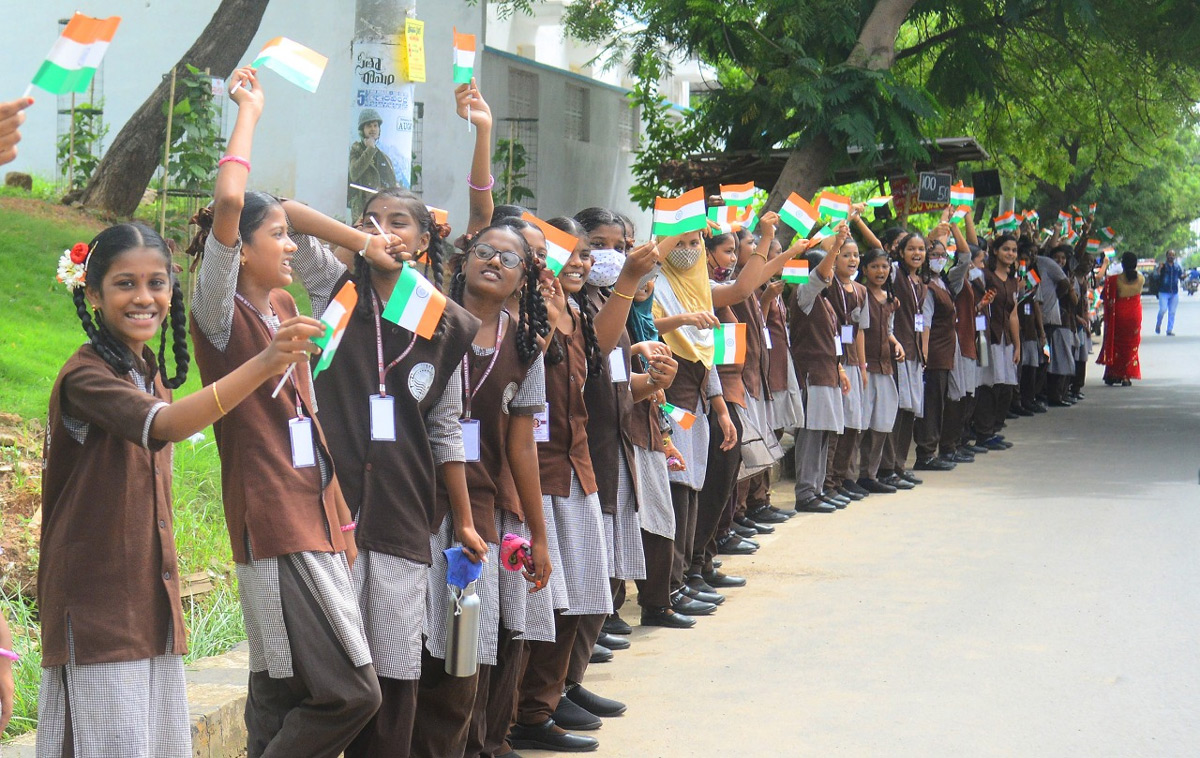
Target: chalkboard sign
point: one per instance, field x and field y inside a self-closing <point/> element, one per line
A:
<point x="933" y="187"/>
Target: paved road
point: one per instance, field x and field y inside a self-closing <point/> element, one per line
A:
<point x="1044" y="601"/>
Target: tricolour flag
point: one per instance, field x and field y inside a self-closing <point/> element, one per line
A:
<point x="822" y="233"/>
<point x="1005" y="221"/>
<point x="1109" y="233"/>
<point x="962" y="195"/>
<point x="879" y="202"/>
<point x="76" y="54"/>
<point x="440" y="216"/>
<point x="1079" y="222"/>
<point x="744" y="218"/>
<point x="729" y="344"/>
<point x="738" y="194"/>
<point x="1091" y="209"/>
<point x="559" y="244"/>
<point x="795" y="271"/>
<point x="832" y="205"/>
<point x="415" y="304"/>
<point x="729" y="218"/>
<point x="798" y="214"/>
<point x="678" y="415"/>
<point x="1093" y="245"/>
<point x="1032" y="278"/>
<point x="464" y="57"/>
<point x="295" y="62"/>
<point x="678" y="215"/>
<point x="1032" y="217"/>
<point x="335" y="318"/>
<point x="960" y="213"/>
<point x="1072" y="235"/>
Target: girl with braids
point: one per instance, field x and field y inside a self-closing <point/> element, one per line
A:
<point x="881" y="351"/>
<point x="998" y="379"/>
<point x="113" y="633"/>
<point x="912" y="331"/>
<point x="312" y="686"/>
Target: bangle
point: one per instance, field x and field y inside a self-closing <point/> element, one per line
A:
<point x="10" y="655"/>
<point x="622" y="295"/>
<point x="350" y="527"/>
<point x="759" y="254"/>
<point x="491" y="183"/>
<point x="366" y="244"/>
<point x="234" y="159"/>
<point x="217" y="397"/>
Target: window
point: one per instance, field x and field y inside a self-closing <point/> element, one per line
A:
<point x="522" y="94"/>
<point x="575" y="114"/>
<point x="628" y="135"/>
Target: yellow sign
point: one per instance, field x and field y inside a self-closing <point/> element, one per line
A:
<point x="414" y="50"/>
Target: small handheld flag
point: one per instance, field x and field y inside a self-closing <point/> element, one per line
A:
<point x="335" y="318"/>
<point x="415" y="304"/>
<point x="1091" y="209"/>
<point x="728" y="219"/>
<point x="1109" y="233"/>
<point x="1005" y="221"/>
<point x="729" y="344"/>
<point x="295" y="62"/>
<point x="834" y="206"/>
<point x="678" y="415"/>
<point x="677" y="215"/>
<point x="464" y="57"/>
<point x="962" y="195"/>
<point x="1093" y="245"/>
<point x="1032" y="278"/>
<point x="439" y="216"/>
<point x="76" y="54"/>
<point x="798" y="214"/>
<point x="739" y="195"/>
<point x="960" y="213"/>
<point x="559" y="244"/>
<point x="879" y="202"/>
<point x="795" y="271"/>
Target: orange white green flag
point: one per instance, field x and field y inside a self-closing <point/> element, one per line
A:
<point x="678" y="215"/>
<point x="1109" y="233"/>
<point x="415" y="304"/>
<point x="962" y="195"/>
<point x="795" y="271"/>
<point x="464" y="57"/>
<point x="1006" y="220"/>
<point x="1093" y="245"/>
<point x="960" y="213"/>
<point x="879" y="202"/>
<point x="335" y="318"/>
<point x="738" y="194"/>
<point x="76" y="54"/>
<point x="798" y="214"/>
<point x="678" y="415"/>
<point x="298" y="64"/>
<point x="731" y="218"/>
<point x="559" y="244"/>
<point x="729" y="344"/>
<point x="833" y="205"/>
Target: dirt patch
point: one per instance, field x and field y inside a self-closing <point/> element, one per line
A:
<point x="61" y="213"/>
<point x="20" y="501"/>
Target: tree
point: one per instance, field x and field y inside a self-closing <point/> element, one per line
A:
<point x="126" y="169"/>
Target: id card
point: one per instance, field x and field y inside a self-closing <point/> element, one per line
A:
<point x="1028" y="309"/>
<point x="847" y="334"/>
<point x="541" y="425"/>
<point x="919" y="322"/>
<point x="616" y="365"/>
<point x="837" y="348"/>
<point x="383" y="418"/>
<point x="304" y="454"/>
<point x="981" y="323"/>
<point x="470" y="432"/>
<point x="767" y="338"/>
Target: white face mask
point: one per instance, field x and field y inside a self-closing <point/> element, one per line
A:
<point x="976" y="274"/>
<point x="683" y="258"/>
<point x="606" y="267"/>
<point x="937" y="264"/>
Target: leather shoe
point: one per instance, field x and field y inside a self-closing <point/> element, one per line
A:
<point x="815" y="504"/>
<point x="666" y="617"/>
<point x="612" y="641"/>
<point x="696" y="582"/>
<point x="959" y="456"/>
<point x="765" y="515"/>
<point x="549" y="736"/>
<point x="681" y="603"/>
<point x="837" y="501"/>
<point x="592" y="703"/>
<point x="973" y="449"/>
<point x="1038" y="407"/>
<point x="893" y="480"/>
<point x="909" y="476"/>
<point x="574" y="717"/>
<point x="785" y="512"/>
<point x="1021" y="410"/>
<point x="614" y="624"/>
<point x="732" y="544"/>
<point x="600" y="654"/>
<point x="876" y="487"/>
<point x="854" y="496"/>
<point x="715" y="598"/>
<point x="852" y="486"/>
<point x="717" y="580"/>
<point x="934" y="464"/>
<point x="742" y="531"/>
<point x="749" y="523"/>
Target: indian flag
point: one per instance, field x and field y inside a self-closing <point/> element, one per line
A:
<point x="743" y="218"/>
<point x="798" y="214"/>
<point x="960" y="213"/>
<point x="729" y="219"/>
<point x="795" y="271"/>
<point x="440" y="216"/>
<point x="335" y="318"/>
<point x="879" y="202"/>
<point x="677" y="215"/>
<point x="295" y="62"/>
<point x="1005" y="221"/>
<point x="738" y="194"/>
<point x="464" y="57"/>
<point x="1072" y="235"/>
<point x="1032" y="278"/>
<point x="415" y="304"/>
<point x="1032" y="216"/>
<point x="678" y="415"/>
<point x="730" y="344"/>
<point x="559" y="244"/>
<point x="825" y="231"/>
<point x="1079" y="222"/>
<point x="76" y="54"/>
<point x="962" y="195"/>
<point x="1109" y="233"/>
<point x="1091" y="209"/>
<point x="834" y="206"/>
<point x="1093" y="245"/>
<point x="1064" y="218"/>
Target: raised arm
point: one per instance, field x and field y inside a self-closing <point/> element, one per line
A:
<point x="758" y="269"/>
<point x="230" y="192"/>
<point x="868" y="236"/>
<point x="610" y="321"/>
<point x="469" y="100"/>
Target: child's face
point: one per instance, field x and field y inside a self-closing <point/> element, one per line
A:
<point x="1061" y="259"/>
<point x="745" y="247"/>
<point x="1007" y="254"/>
<point x="268" y="254"/>
<point x="135" y="297"/>
<point x="607" y="237"/>
<point x="395" y="218"/>
<point x="846" y="264"/>
<point x="493" y="278"/>
<point x="914" y="253"/>
<point x="878" y="272"/>
<point x="723" y="254"/>
<point x="575" y="273"/>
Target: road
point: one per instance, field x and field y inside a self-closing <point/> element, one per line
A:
<point x="1043" y="601"/>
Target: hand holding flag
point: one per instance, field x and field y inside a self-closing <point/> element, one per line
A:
<point x="291" y="60"/>
<point x="75" y="56"/>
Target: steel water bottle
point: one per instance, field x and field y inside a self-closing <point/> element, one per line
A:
<point x="462" y="630"/>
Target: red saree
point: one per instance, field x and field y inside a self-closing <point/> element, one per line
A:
<point x="1122" y="334"/>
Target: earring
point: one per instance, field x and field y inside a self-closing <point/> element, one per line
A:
<point x="243" y="261"/>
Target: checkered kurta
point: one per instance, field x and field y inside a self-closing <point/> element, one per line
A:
<point x="787" y="408"/>
<point x="131" y="708"/>
<point x="622" y="533"/>
<point x="575" y="531"/>
<point x="655" y="513"/>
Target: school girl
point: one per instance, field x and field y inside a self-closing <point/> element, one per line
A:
<point x="1058" y="298"/>
<point x="881" y="351"/>
<point x="912" y="332"/>
<point x="998" y="379"/>
<point x="113" y="634"/>
<point x="970" y="306"/>
<point x="1081" y="280"/>
<point x="312" y="686"/>
<point x="1032" y="371"/>
<point x="850" y="307"/>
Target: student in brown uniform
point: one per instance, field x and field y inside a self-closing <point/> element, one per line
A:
<point x="312" y="686"/>
<point x="849" y="301"/>
<point x="911" y="331"/>
<point x="113" y="634"/>
<point x="881" y="351"/>
<point x="998" y="379"/>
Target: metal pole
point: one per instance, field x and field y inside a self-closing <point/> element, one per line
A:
<point x="162" y="218"/>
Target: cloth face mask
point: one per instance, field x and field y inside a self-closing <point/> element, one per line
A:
<point x="683" y="258"/>
<point x="606" y="267"/>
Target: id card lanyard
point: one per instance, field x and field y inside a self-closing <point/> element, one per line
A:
<point x="470" y="426"/>
<point x="383" y="407"/>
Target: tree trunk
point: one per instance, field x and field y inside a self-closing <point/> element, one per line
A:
<point x="805" y="172"/>
<point x="126" y="169"/>
<point x="876" y="46"/>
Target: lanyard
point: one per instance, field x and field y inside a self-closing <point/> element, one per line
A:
<point x="913" y="286"/>
<point x="271" y="329"/>
<point x="470" y="391"/>
<point x="383" y="371"/>
<point x="845" y="306"/>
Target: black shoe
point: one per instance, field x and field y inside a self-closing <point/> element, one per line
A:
<point x="974" y="449"/>
<point x="848" y="494"/>
<point x="614" y="624"/>
<point x="681" y="603"/>
<point x="1021" y="410"/>
<point x="766" y="515"/>
<point x="1038" y="407"/>
<point x="600" y="654"/>
<point x="667" y="618"/>
<point x="837" y="501"/>
<point x="815" y="504"/>
<point x="909" y="476"/>
<point x="742" y="531"/>
<point x="1060" y="404"/>
<point x="876" y="487"/>
<point x="934" y="464"/>
<point x="852" y="486"/>
<point x="958" y="456"/>
<point x="720" y="581"/>
<point x="893" y="480"/>
<point x="603" y="707"/>
<point x="734" y="545"/>
<point x="748" y="523"/>
<point x="574" y="717"/>
<point x="713" y="598"/>
<point x="612" y="641"/>
<point x="549" y="736"/>
<point x="785" y="512"/>
<point x="717" y="563"/>
<point x="1126" y="383"/>
<point x="1078" y="395"/>
<point x="696" y="582"/>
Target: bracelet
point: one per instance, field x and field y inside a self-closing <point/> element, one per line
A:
<point x="759" y="254"/>
<point x="366" y="244"/>
<point x="217" y="397"/>
<point x="234" y="159"/>
<point x="491" y="183"/>
<point x="622" y="295"/>
<point x="10" y="655"/>
<point x="350" y="527"/>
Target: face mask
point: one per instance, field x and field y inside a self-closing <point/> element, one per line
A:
<point x="683" y="258"/>
<point x="606" y="267"/>
<point x="976" y="275"/>
<point x="721" y="274"/>
<point x="937" y="264"/>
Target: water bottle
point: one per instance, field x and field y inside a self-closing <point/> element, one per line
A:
<point x="982" y="350"/>
<point x="462" y="631"/>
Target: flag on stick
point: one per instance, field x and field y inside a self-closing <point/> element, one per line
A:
<point x="960" y="213"/>
<point x="464" y="57"/>
<point x="730" y="344"/>
<point x="559" y="244"/>
<point x="728" y="219"/>
<point x="879" y="202"/>
<point x="1093" y="245"/>
<point x="1032" y="278"/>
<point x="795" y="271"/>
<point x="415" y="304"/>
<point x="678" y="415"/>
<point x="295" y="62"/>
<point x="677" y="215"/>
<point x="76" y="54"/>
<point x="1109" y="233"/>
<point x="1005" y="221"/>
<point x="834" y="206"/>
<point x="738" y="194"/>
<point x="335" y="318"/>
<point x="798" y="214"/>
<point x="962" y="195"/>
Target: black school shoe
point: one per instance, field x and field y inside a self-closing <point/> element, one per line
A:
<point x="876" y="487"/>
<point x="696" y="582"/>
<point x="815" y="504"/>
<point x="958" y="456"/>
<point x="603" y="707"/>
<point x="600" y="654"/>
<point x="892" y="480"/>
<point x="854" y="487"/>
<point x="742" y="531"/>
<point x="834" y="499"/>
<point x="934" y="464"/>
<point x="909" y="476"/>
<point x="612" y="641"/>
<point x="614" y="624"/>
<point x="766" y="515"/>
<point x="681" y="603"/>
<point x="732" y="544"/>
<point x="716" y="598"/>
<point x="573" y="717"/>
<point x="717" y="580"/>
<point x="549" y="736"/>
<point x="665" y="617"/>
<point x="749" y="523"/>
<point x="854" y="496"/>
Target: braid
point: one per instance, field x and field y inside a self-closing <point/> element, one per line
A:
<point x="532" y="321"/>
<point x="362" y="280"/>
<point x="435" y="256"/>
<point x="178" y="321"/>
<point x="589" y="333"/>
<point x="458" y="280"/>
<point x="100" y="338"/>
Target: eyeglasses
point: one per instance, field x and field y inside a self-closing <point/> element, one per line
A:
<point x="486" y="252"/>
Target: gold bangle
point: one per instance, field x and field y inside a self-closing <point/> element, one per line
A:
<point x="217" y="397"/>
<point x="622" y="294"/>
<point x="759" y="254"/>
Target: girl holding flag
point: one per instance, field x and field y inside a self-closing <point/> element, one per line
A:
<point x="998" y="379"/>
<point x="881" y="352"/>
<point x="912" y="331"/>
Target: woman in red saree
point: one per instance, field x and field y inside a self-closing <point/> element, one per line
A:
<point x="1122" y="324"/>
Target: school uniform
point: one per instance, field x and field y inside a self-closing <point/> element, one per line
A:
<point x="938" y="312"/>
<point x="304" y="629"/>
<point x="998" y="379"/>
<point x="850" y="307"/>
<point x="1083" y="335"/>
<point x="881" y="400"/>
<point x="1053" y="293"/>
<point x="963" y="379"/>
<point x="656" y="516"/>
<point x="910" y="373"/>
<point x="787" y="401"/>
<point x="112" y="625"/>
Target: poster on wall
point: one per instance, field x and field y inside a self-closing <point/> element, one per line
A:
<point x="381" y="123"/>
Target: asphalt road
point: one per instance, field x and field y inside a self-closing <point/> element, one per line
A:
<point x="1043" y="601"/>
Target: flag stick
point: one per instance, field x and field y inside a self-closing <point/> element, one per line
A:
<point x="279" y="386"/>
<point x="234" y="88"/>
<point x="362" y="188"/>
<point x="468" y="117"/>
<point x="28" y="90"/>
<point x="378" y="228"/>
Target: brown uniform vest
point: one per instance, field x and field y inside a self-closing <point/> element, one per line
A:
<point x="609" y="408"/>
<point x="757" y="365"/>
<point x="876" y="345"/>
<point x="909" y="295"/>
<point x="688" y="388"/>
<point x="964" y="320"/>
<point x="1001" y="308"/>
<point x="778" y="354"/>
<point x="567" y="449"/>
<point x="843" y="306"/>
<point x="942" y="335"/>
<point x="813" y="349"/>
<point x="730" y="374"/>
